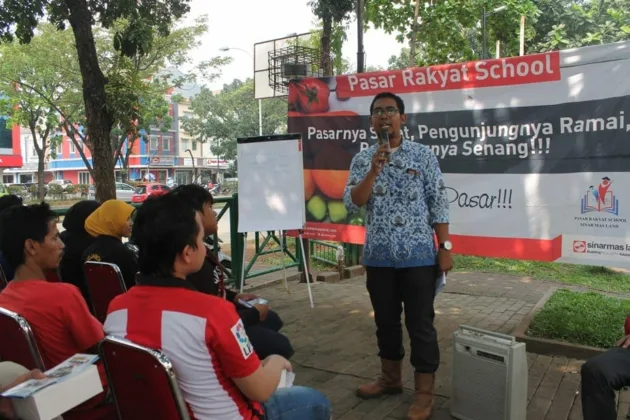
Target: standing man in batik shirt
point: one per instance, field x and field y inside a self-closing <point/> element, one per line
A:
<point x="401" y="184"/>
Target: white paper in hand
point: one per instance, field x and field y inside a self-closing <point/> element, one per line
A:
<point x="286" y="379"/>
<point x="440" y="283"/>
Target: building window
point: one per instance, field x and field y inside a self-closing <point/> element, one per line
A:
<point x="185" y="144"/>
<point x="194" y="145"/>
<point x="153" y="142"/>
<point x="166" y="143"/>
<point x="7" y="179"/>
<point x="84" y="178"/>
<point x="26" y="178"/>
<point x="73" y="149"/>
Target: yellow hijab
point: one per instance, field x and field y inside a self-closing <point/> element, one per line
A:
<point x="109" y="219"/>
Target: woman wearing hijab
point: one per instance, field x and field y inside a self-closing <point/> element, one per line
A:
<point x="109" y="224"/>
<point x="76" y="240"/>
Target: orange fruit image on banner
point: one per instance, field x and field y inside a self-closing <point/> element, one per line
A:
<point x="330" y="182"/>
<point x="309" y="184"/>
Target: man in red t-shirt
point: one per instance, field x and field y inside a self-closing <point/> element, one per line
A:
<point x="218" y="371"/>
<point x="57" y="313"/>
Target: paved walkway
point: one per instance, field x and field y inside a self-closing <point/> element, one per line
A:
<point x="336" y="346"/>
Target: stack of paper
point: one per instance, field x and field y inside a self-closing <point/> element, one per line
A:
<point x="66" y="386"/>
<point x="440" y="283"/>
<point x="286" y="379"/>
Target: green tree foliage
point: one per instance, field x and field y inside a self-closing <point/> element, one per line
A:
<point x="338" y="36"/>
<point x="332" y="13"/>
<point x="220" y="118"/>
<point x="31" y="87"/>
<point x="572" y="23"/>
<point x="450" y="31"/>
<point x="136" y="85"/>
<point x="19" y="18"/>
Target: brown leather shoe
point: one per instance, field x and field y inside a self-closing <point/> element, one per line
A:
<point x="422" y="406"/>
<point x="389" y="382"/>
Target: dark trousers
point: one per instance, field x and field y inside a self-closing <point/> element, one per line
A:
<point x="414" y="287"/>
<point x="267" y="339"/>
<point x="601" y="377"/>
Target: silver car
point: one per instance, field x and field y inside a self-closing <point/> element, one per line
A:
<point x="123" y="192"/>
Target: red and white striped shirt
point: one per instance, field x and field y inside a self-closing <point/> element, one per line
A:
<point x="203" y="337"/>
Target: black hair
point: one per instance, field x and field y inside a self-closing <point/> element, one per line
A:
<point x="195" y="195"/>
<point x="9" y="200"/>
<point x="20" y="223"/>
<point x="399" y="102"/>
<point x="164" y="227"/>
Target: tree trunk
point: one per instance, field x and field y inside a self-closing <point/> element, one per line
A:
<point x="326" y="35"/>
<point x="41" y="156"/>
<point x="99" y="120"/>
<point x="414" y="36"/>
<point x="126" y="162"/>
<point x="41" y="165"/>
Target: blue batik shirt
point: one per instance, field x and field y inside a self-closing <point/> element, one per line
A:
<point x="408" y="198"/>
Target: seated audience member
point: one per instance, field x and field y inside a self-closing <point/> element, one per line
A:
<point x="76" y="241"/>
<point x="57" y="313"/>
<point x="218" y="372"/>
<point x="601" y="377"/>
<point x="109" y="224"/>
<point x="7" y="201"/>
<point x="261" y="324"/>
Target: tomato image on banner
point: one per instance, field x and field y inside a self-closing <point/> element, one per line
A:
<point x="528" y="160"/>
<point x="309" y="96"/>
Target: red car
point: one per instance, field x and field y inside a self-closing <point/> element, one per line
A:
<point x="145" y="190"/>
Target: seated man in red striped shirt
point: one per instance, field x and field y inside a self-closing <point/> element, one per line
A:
<point x="217" y="369"/>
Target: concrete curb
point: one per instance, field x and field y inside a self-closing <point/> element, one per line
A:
<point x="550" y="347"/>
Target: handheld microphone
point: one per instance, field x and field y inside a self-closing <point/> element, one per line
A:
<point x="383" y="138"/>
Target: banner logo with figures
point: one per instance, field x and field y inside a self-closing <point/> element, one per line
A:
<point x="601" y="199"/>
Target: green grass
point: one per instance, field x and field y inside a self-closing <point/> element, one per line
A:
<point x="600" y="278"/>
<point x="590" y="319"/>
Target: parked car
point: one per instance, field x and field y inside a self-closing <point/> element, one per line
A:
<point x="145" y="190"/>
<point x="124" y="192"/>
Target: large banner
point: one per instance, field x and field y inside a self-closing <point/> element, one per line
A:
<point x="535" y="150"/>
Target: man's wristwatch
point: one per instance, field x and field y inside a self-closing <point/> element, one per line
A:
<point x="446" y="245"/>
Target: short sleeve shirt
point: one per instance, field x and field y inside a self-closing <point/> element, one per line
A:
<point x="201" y="334"/>
<point x="57" y="313"/>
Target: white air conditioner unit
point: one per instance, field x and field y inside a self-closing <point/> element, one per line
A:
<point x="489" y="376"/>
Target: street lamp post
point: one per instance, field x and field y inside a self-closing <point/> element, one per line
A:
<point x="225" y="49"/>
<point x="484" y="35"/>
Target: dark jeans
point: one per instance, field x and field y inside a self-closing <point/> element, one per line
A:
<point x="601" y="377"/>
<point x="266" y="338"/>
<point x="414" y="287"/>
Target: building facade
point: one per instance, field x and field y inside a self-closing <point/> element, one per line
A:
<point x="10" y="146"/>
<point x="156" y="156"/>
